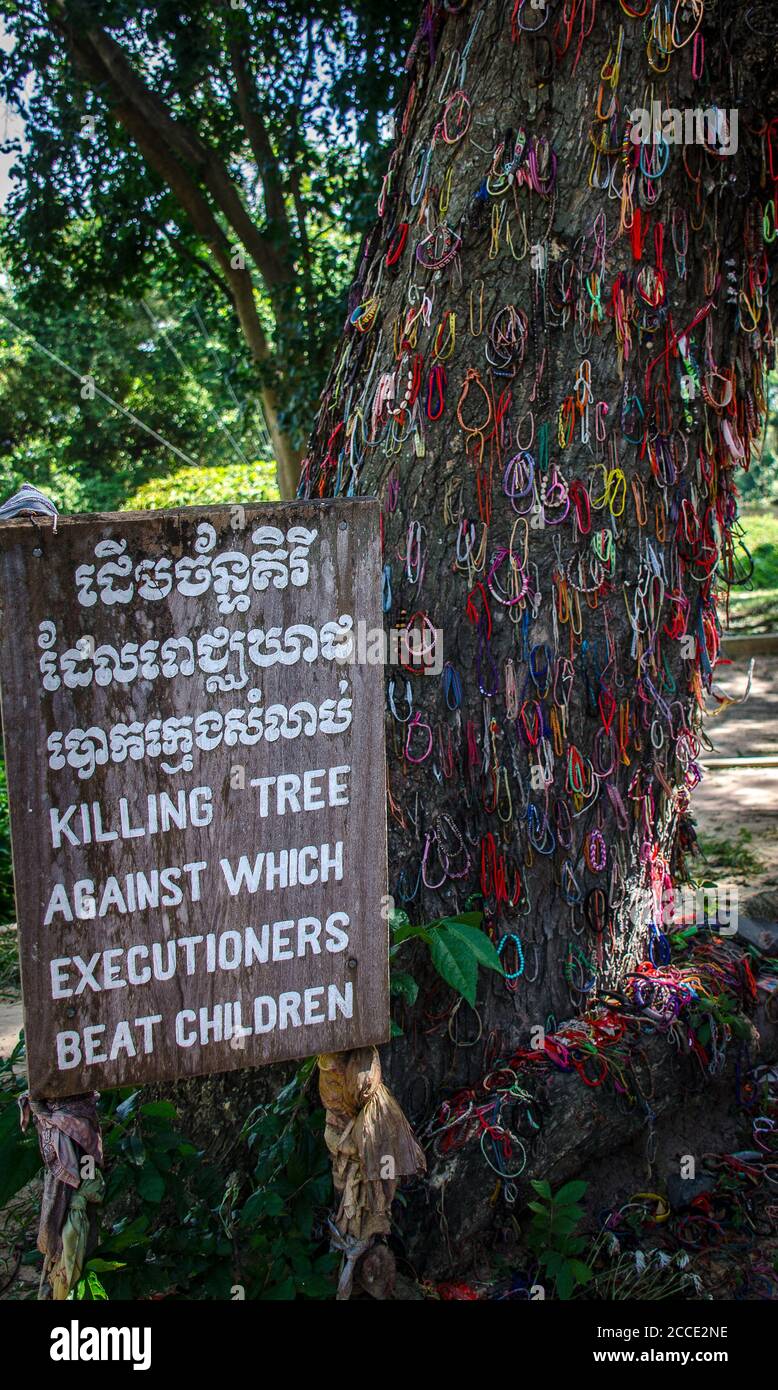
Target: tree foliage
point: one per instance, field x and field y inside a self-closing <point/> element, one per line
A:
<point x="182" y="394"/>
<point x="232" y="144"/>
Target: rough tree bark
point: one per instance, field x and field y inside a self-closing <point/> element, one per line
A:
<point x="551" y="370"/>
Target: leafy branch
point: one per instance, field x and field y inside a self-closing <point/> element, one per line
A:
<point x="457" y="947"/>
<point x="553" y="1235"/>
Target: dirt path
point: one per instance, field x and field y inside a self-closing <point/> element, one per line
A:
<point x="10" y="1024"/>
<point x="738" y="807"/>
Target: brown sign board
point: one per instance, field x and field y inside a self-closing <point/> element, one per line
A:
<point x="195" y="753"/>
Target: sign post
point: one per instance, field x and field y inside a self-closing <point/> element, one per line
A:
<point x="195" y="750"/>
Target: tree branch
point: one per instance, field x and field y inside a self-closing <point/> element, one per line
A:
<point x="258" y="137"/>
<point x="132" y="92"/>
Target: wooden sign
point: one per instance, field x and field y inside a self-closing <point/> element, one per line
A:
<point x="195" y="751"/>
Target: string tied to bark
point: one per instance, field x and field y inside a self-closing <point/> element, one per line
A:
<point x="372" y="1147"/>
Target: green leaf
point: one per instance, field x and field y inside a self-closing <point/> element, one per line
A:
<point x="94" y="1285"/>
<point x="132" y="1234"/>
<point x="89" y="1288"/>
<point x="150" y="1183"/>
<point x="20" y="1157"/>
<point x="288" y="1093"/>
<point x="468" y="919"/>
<point x="408" y="932"/>
<point x="159" y="1110"/>
<point x="285" y="1290"/>
<point x="482" y="948"/>
<point x="571" y="1192"/>
<point x="583" y="1274"/>
<point x="261" y="1204"/>
<point x="133" y="1147"/>
<point x="565" y="1281"/>
<point x="566" y="1220"/>
<point x="574" y="1246"/>
<point x="398" y="919"/>
<point x="455" y="963"/>
<point x="542" y="1187"/>
<point x="404" y="985"/>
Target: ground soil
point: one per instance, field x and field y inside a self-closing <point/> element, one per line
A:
<point x="731" y="800"/>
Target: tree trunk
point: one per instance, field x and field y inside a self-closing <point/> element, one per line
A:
<point x="552" y="366"/>
<point x="240" y="287"/>
<point x="286" y="454"/>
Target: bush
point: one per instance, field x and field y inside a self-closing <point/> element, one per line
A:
<point x="206" y="486"/>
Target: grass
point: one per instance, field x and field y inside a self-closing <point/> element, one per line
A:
<point x="755" y="608"/>
<point x="761" y="527"/>
<point x="10" y="982"/>
<point x="735" y="855"/>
